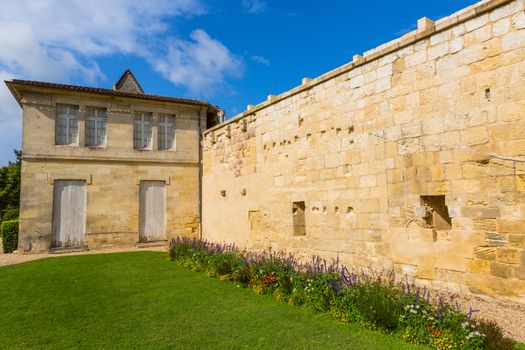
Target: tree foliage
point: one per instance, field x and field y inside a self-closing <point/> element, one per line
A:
<point x="10" y="184"/>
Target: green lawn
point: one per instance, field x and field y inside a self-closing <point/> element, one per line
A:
<point x="142" y="300"/>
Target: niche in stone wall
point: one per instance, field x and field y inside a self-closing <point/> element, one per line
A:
<point x="254" y="217"/>
<point x="436" y="212"/>
<point x="299" y="227"/>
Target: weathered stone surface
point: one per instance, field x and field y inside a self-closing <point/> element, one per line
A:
<point x="441" y="116"/>
<point x="112" y="172"/>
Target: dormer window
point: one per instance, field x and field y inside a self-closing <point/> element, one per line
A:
<point x="166" y="129"/>
<point x="142" y="131"/>
<point x="96" y="121"/>
<point x="66" y="127"/>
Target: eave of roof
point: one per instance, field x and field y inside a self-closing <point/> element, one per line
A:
<point x="13" y="87"/>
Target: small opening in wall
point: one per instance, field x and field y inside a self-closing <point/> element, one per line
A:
<point x="351" y="129"/>
<point x="436" y="212"/>
<point x="223" y="193"/>
<point x="308" y="137"/>
<point x="324" y="210"/>
<point x="338" y="131"/>
<point x="349" y="210"/>
<point x="300" y="122"/>
<point x="323" y="133"/>
<point x="299" y="227"/>
<point x="336" y="209"/>
<point x="296" y="138"/>
<point x="487" y="93"/>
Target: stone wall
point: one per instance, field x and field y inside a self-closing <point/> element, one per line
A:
<point x="112" y="172"/>
<point x="411" y="157"/>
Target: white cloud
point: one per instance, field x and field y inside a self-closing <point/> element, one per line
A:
<point x="200" y="64"/>
<point x="54" y="39"/>
<point x="260" y="59"/>
<point x="254" y="6"/>
<point x="59" y="40"/>
<point x="10" y="117"/>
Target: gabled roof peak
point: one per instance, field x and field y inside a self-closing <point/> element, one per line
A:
<point x="128" y="83"/>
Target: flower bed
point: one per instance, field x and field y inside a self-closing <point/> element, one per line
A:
<point x="373" y="300"/>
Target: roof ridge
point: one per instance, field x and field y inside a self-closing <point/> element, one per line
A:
<point x="104" y="91"/>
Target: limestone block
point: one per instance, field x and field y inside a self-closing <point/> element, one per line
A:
<point x="479" y="266"/>
<point x="456" y="45"/>
<point x="501" y="27"/>
<point x="475" y="136"/>
<point x="476" y="23"/>
<point x="502" y="270"/>
<point x="485" y="253"/>
<point x="513" y="40"/>
<point x="471" y="54"/>
<point x="426" y="272"/>
<point x="511" y="226"/>
<point x="416" y="58"/>
<point x="478" y="36"/>
<point x="508" y="255"/>
<point x="496" y="239"/>
<point x="518" y="21"/>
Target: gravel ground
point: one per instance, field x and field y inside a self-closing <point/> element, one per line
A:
<point x="510" y="316"/>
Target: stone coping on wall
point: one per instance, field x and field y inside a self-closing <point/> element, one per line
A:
<point x="426" y="28"/>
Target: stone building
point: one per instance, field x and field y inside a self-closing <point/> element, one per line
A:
<point x="411" y="157"/>
<point x="104" y="168"/>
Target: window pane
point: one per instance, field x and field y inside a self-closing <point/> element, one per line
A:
<point x="136" y="136"/>
<point x="90" y="132"/>
<point x="73" y="110"/>
<point x="162" y="139"/>
<point x="147" y="135"/>
<point x="73" y="130"/>
<point x="101" y="132"/>
<point x="142" y="130"/>
<point x="60" y="138"/>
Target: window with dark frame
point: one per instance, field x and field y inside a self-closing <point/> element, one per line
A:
<point x="142" y="131"/>
<point x="96" y="125"/>
<point x="166" y="132"/>
<point x="66" y="128"/>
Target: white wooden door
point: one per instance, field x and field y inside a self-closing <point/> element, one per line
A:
<point x="69" y="213"/>
<point x="152" y="211"/>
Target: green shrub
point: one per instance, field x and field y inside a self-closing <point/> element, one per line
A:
<point x="9" y="235"/>
<point x="494" y="338"/>
<point x="379" y="304"/>
<point x="519" y="346"/>
<point x="10" y="214"/>
<point x="369" y="299"/>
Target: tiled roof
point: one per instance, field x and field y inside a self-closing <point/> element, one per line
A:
<point x="12" y="85"/>
<point x="128" y="83"/>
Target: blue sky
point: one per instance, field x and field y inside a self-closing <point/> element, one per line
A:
<point x="231" y="53"/>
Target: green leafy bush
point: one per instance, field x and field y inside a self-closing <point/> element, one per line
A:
<point x="369" y="299"/>
<point x="9" y="235"/>
<point x="494" y="338"/>
<point x="10" y="214"/>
